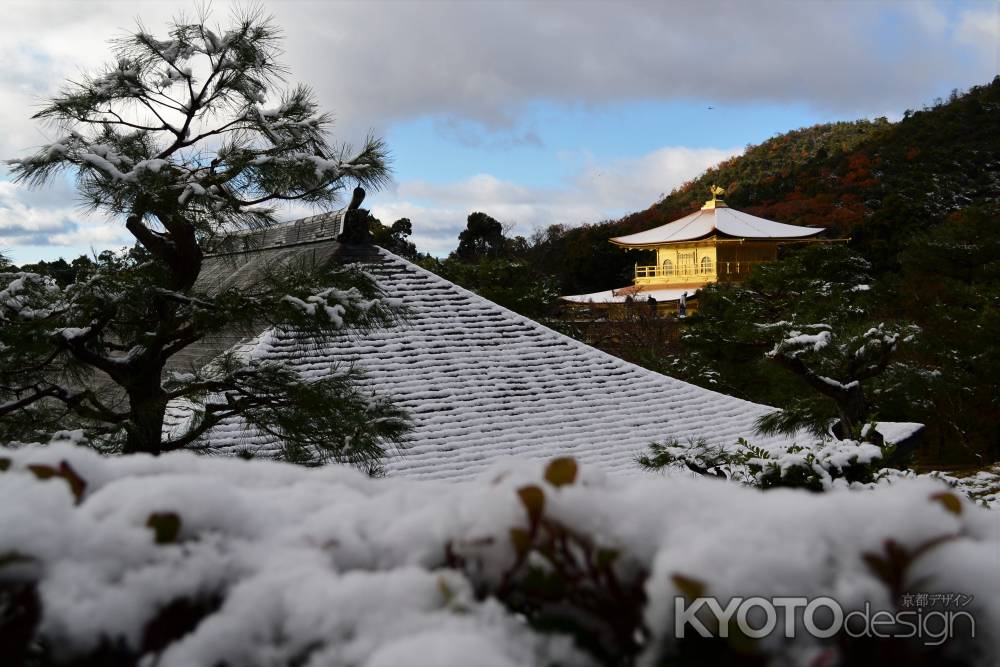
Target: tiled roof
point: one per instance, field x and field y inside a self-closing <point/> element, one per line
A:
<point x="482" y="382"/>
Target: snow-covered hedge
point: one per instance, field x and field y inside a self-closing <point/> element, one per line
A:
<point x="201" y="561"/>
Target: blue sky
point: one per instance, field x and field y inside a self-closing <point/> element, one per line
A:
<point x="560" y="131"/>
<point x="535" y="112"/>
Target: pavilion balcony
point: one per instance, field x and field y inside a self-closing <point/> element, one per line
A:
<point x="721" y="272"/>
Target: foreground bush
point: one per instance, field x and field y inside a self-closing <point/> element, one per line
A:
<point x="817" y="466"/>
<point x="185" y="560"/>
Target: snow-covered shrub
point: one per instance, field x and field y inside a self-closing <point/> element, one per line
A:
<point x="190" y="560"/>
<point x="820" y="466"/>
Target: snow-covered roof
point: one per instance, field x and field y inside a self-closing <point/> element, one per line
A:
<point x="722" y="220"/>
<point x="619" y="295"/>
<point x="482" y="382"/>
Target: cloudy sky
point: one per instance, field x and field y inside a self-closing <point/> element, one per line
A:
<point x="535" y="112"/>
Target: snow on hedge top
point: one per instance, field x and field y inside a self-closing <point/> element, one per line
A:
<point x="291" y="565"/>
<point x="482" y="382"/>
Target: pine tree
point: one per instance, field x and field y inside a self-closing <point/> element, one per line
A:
<point x="816" y="315"/>
<point x="177" y="140"/>
<point x="394" y="238"/>
<point x="482" y="237"/>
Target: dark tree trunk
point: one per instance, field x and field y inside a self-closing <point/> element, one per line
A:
<point x="853" y="410"/>
<point x="852" y="406"/>
<point x="178" y="248"/>
<point x="145" y="426"/>
<point x="147" y="403"/>
<point x="185" y="262"/>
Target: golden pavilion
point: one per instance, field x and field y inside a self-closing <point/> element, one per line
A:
<point x="714" y="244"/>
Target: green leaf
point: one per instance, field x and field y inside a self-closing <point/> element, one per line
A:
<point x="4" y="464"/>
<point x="561" y="471"/>
<point x="446" y="593"/>
<point x="533" y="499"/>
<point x="166" y="526"/>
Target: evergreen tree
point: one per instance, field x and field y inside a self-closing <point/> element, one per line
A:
<point x="497" y="267"/>
<point x="482" y="237"/>
<point x="60" y="270"/>
<point x="511" y="283"/>
<point x="175" y="139"/>
<point x="950" y="286"/>
<point x="395" y="238"/>
<point x="816" y="315"/>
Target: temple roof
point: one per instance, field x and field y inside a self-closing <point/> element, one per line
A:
<point x="480" y="382"/>
<point x="722" y="221"/>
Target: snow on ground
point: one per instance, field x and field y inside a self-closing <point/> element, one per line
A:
<point x="639" y="296"/>
<point x="982" y="486"/>
<point x="329" y="567"/>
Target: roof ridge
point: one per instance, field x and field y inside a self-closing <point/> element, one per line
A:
<point x="743" y="217"/>
<point x="693" y="219"/>
<point x="297" y="224"/>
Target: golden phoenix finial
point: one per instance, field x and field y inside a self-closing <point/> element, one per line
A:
<point x="716" y="200"/>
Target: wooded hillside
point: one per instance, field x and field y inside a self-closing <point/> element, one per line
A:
<point x="874" y="181"/>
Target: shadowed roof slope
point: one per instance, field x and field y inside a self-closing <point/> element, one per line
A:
<point x="482" y="382"/>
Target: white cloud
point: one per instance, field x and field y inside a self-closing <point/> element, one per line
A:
<point x="597" y="191"/>
<point x="979" y="29"/>
<point x="30" y="218"/>
<point x="472" y="65"/>
<point x="375" y="63"/>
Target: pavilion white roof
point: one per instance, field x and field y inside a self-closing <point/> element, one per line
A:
<point x="722" y="220"/>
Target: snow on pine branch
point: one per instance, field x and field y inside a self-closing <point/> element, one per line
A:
<point x="183" y="120"/>
<point x="275" y="564"/>
<point x="797" y="341"/>
<point x="28" y="296"/>
<point x="820" y="465"/>
<point x="880" y="340"/>
<point x="332" y="304"/>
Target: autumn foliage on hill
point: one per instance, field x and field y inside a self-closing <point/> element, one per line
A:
<point x="871" y="180"/>
<point x="919" y="200"/>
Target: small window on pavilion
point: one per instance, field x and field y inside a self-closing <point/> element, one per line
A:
<point x="668" y="267"/>
<point x="706" y="264"/>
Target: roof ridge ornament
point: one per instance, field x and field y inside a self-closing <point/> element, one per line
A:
<point x="716" y="200"/>
<point x="354" y="229"/>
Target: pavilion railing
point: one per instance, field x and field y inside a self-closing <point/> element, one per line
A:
<point x="719" y="271"/>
